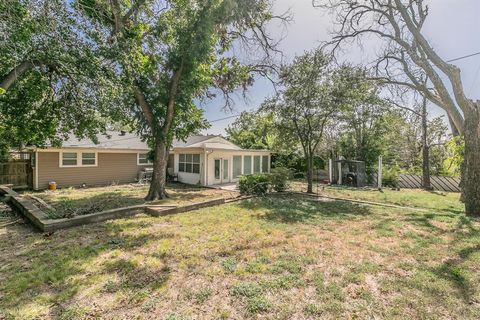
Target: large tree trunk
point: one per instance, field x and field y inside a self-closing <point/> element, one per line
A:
<point x="425" y="149"/>
<point x="159" y="178"/>
<point x="471" y="183"/>
<point x="309" y="159"/>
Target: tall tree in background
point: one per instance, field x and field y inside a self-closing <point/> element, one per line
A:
<point x="362" y="127"/>
<point x="312" y="96"/>
<point x="172" y="52"/>
<point x="253" y="130"/>
<point x="407" y="58"/>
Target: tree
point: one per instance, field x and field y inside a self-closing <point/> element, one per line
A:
<point x="172" y="52"/>
<point x="406" y="60"/>
<point x="312" y="96"/>
<point x="253" y="130"/>
<point x="52" y="82"/>
<point x="362" y="128"/>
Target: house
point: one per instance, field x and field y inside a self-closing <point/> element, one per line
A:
<point x="120" y="157"/>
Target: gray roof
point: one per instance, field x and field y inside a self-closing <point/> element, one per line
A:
<point x="130" y="141"/>
<point x="113" y="140"/>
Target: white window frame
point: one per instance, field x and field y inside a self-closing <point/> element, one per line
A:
<point x="149" y="162"/>
<point x="192" y="163"/>
<point x="79" y="159"/>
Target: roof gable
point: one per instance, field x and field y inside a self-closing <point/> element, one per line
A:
<point x="208" y="142"/>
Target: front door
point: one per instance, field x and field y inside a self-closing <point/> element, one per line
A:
<point x="222" y="170"/>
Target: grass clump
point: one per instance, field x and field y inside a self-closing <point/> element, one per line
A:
<point x="246" y="289"/>
<point x="258" y="304"/>
<point x="229" y="264"/>
<point x="202" y="295"/>
<point x="312" y="310"/>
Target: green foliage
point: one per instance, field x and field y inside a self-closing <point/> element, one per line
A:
<point x="278" y="178"/>
<point x="390" y="176"/>
<point x="312" y="99"/>
<point x="257" y="130"/>
<point x="65" y="86"/>
<point x="452" y="164"/>
<point x="255" y="184"/>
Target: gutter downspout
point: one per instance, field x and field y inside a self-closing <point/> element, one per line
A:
<point x="205" y="165"/>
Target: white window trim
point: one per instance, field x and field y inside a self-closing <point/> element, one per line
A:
<point x="79" y="159"/>
<point x="149" y="162"/>
<point x="192" y="163"/>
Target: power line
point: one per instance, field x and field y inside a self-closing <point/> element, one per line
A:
<point x="464" y="57"/>
<point x="230" y="117"/>
<point x="451" y="60"/>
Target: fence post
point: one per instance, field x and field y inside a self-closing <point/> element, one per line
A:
<point x="330" y="170"/>
<point x="339" y="181"/>
<point x="379" y="179"/>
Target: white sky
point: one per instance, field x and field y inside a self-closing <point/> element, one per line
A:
<point x="453" y="29"/>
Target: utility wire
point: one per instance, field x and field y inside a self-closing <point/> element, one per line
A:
<point x="230" y="117"/>
<point x="451" y="60"/>
<point x="464" y="57"/>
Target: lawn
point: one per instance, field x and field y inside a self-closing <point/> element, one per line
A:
<point x="447" y="201"/>
<point x="69" y="202"/>
<point x="285" y="257"/>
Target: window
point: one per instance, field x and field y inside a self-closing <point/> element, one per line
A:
<point x="265" y="164"/>
<point x="225" y="169"/>
<point x="237" y="166"/>
<point x="143" y="159"/>
<point x="89" y="159"/>
<point x="256" y="164"/>
<point x="78" y="159"/>
<point x="247" y="165"/>
<point x="69" y="159"/>
<point x="189" y="163"/>
<point x="217" y="169"/>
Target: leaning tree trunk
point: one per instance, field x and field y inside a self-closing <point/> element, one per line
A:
<point x="309" y="159"/>
<point x="471" y="181"/>
<point x="159" y="179"/>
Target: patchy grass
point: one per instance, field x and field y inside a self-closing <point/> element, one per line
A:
<point x="70" y="202"/>
<point x="272" y="258"/>
<point x="447" y="201"/>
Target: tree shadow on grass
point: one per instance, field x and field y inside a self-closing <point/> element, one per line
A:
<point x="304" y="210"/>
<point x="54" y="270"/>
<point x="452" y="269"/>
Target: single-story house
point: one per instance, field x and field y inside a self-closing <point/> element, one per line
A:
<point x="120" y="157"/>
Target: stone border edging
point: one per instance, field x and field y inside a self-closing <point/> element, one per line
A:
<point x="38" y="218"/>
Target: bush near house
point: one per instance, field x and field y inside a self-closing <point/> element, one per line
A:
<point x="260" y="184"/>
<point x="279" y="178"/>
<point x="255" y="184"/>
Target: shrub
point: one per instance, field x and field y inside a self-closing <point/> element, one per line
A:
<point x="279" y="178"/>
<point x="256" y="184"/>
<point x="391" y="176"/>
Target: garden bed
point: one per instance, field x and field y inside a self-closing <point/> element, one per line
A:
<point x="73" y="202"/>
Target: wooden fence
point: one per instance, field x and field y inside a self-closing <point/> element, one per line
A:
<point x="412" y="181"/>
<point x="17" y="173"/>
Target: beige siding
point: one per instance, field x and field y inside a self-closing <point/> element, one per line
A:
<point x="112" y="168"/>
